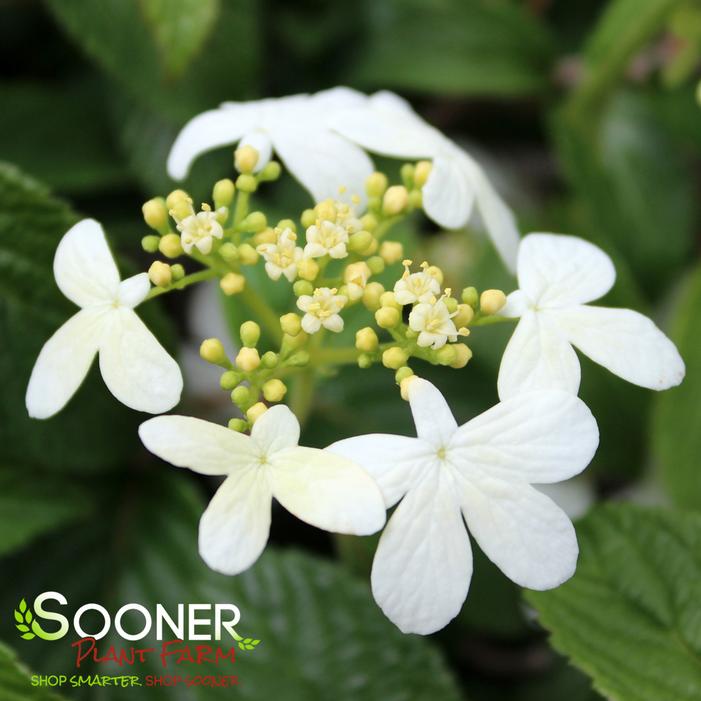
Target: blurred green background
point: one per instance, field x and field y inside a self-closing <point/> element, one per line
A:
<point x="584" y="114"/>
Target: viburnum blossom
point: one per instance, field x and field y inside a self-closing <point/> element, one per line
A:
<point x="321" y="309"/>
<point x="416" y="287"/>
<point x="281" y="258"/>
<point x="557" y="276"/>
<point x="325" y="490"/>
<point x="384" y="123"/>
<point x="135" y="367"/>
<point x="295" y="127"/>
<point x="433" y="322"/>
<point x="199" y="230"/>
<point x="481" y="472"/>
<point x="326" y="238"/>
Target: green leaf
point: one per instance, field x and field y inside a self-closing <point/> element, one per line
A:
<point x="456" y="47"/>
<point x="677" y="412"/>
<point x="18" y="617"/>
<point x="22" y="627"/>
<point x="23" y="606"/>
<point x="180" y="28"/>
<point x="307" y="611"/>
<point x="94" y="432"/>
<point x="630" y="617"/>
<point x="15" y="680"/>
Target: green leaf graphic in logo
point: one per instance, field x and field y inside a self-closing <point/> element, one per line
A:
<point x="28" y="626"/>
<point x="245" y="643"/>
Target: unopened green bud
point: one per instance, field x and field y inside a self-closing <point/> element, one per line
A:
<point x="232" y="284"/>
<point x="451" y="303"/>
<point x="372" y="294"/>
<point x="150" y="243"/>
<point x="387" y="317"/>
<point x="287" y="224"/>
<point x="178" y="272"/>
<point x="250" y="333"/>
<point x="389" y="300"/>
<point x="376" y="184"/>
<point x="271" y="171"/>
<point x="308" y="218"/>
<point x="160" y="274"/>
<point x="156" y="214"/>
<point x="291" y="324"/>
<point x="470" y="296"/>
<point x="303" y="287"/>
<point x="416" y="199"/>
<point x="376" y="265"/>
<point x="274" y="390"/>
<point x="247" y="183"/>
<point x="293" y="342"/>
<point x="401" y="374"/>
<point x="445" y="355"/>
<point x="223" y="192"/>
<point x="360" y="241"/>
<point x="247" y="254"/>
<point x="255" y="222"/>
<point x="238" y="425"/>
<point x="364" y="361"/>
<point x="421" y="173"/>
<point x="170" y="246"/>
<point x="270" y="360"/>
<point x="212" y="351"/>
<point x="298" y="359"/>
<point x="229" y="252"/>
<point x="241" y="396"/>
<point x="406" y="172"/>
<point x="230" y="379"/>
<point x="394" y="358"/>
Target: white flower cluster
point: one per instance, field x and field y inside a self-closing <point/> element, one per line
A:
<point x="479" y="475"/>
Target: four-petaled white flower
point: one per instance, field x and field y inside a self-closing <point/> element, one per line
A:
<point x="326" y="238"/>
<point x="296" y="127"/>
<point x="557" y="276"/>
<point x="384" y="123"/>
<point x="325" y="490"/>
<point x="135" y="367"/>
<point x="482" y="472"/>
<point x="416" y="287"/>
<point x="321" y="309"/>
<point x="281" y="258"/>
<point x="200" y="230"/>
<point x="434" y="324"/>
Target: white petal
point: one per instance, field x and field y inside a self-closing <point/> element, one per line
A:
<point x="63" y="363"/>
<point x="386" y="124"/>
<point x="326" y="491"/>
<point x="528" y="537"/>
<point x="624" y="342"/>
<point x="434" y="421"/>
<point x="448" y="195"/>
<point x="498" y="219"/>
<point x="135" y="366"/>
<point x="339" y="97"/>
<point x="559" y="271"/>
<point x="134" y="290"/>
<point x="276" y="430"/>
<point x="196" y="444"/>
<point x="208" y="131"/>
<point x="537" y="356"/>
<point x="516" y="304"/>
<point x="423" y="564"/>
<point x="235" y="527"/>
<point x="84" y="268"/>
<point x="394" y="462"/>
<point x="310" y="323"/>
<point x="543" y="436"/>
<point x="322" y="161"/>
<point x="261" y="143"/>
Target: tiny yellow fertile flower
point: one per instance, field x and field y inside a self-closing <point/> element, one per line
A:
<point x="391" y="252"/>
<point x="232" y="283"/>
<point x="395" y="200"/>
<point x="366" y="340"/>
<point x="274" y="390"/>
<point x="246" y="158"/>
<point x="291" y="323"/>
<point x="247" y="359"/>
<point x="322" y="309"/>
<point x="212" y="351"/>
<point x="491" y="301"/>
<point x="170" y="246"/>
<point x="160" y="274"/>
<point x="394" y="358"/>
<point x="256" y="411"/>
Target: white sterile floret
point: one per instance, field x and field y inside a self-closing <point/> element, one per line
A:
<point x="384" y="123"/>
<point x="326" y="238"/>
<point x="433" y="322"/>
<point x="325" y="490"/>
<point x="281" y="258"/>
<point x="199" y="231"/>
<point x="135" y="367"/>
<point x="322" y="309"/>
<point x="481" y="472"/>
<point x="416" y="287"/>
<point x="295" y="127"/>
<point x="557" y="276"/>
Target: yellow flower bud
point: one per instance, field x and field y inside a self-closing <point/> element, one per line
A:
<point x="182" y="209"/>
<point x="395" y="200"/>
<point x="256" y="411"/>
<point x="389" y="300"/>
<point x="387" y="317"/>
<point x="421" y="173"/>
<point x="287" y="224"/>
<point x="160" y="274"/>
<point x="247" y="183"/>
<point x="394" y="358"/>
<point x="176" y="197"/>
<point x="247" y="359"/>
<point x="404" y="387"/>
<point x="274" y="390"/>
<point x="232" y="283"/>
<point x="446" y="355"/>
<point x="266" y="236"/>
<point x="170" y="246"/>
<point x="391" y="252"/>
<point x="247" y="254"/>
<point x="250" y="333"/>
<point x="307" y="269"/>
<point x="246" y="158"/>
<point x="360" y="241"/>
<point x="212" y="351"/>
<point x="156" y="214"/>
<point x="372" y="294"/>
<point x="491" y="301"/>
<point x="366" y="340"/>
<point x="464" y="315"/>
<point x="376" y="184"/>
<point x="308" y="218"/>
<point x="291" y="324"/>
<point x="223" y="192"/>
<point x="435" y="272"/>
<point x="462" y="355"/>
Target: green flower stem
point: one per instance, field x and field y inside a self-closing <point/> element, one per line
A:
<point x="302" y="394"/>
<point x="181" y="284"/>
<point x="241" y="210"/>
<point x="490" y="320"/>
<point x="385" y="226"/>
<point x="334" y="356"/>
<point x="263" y="312"/>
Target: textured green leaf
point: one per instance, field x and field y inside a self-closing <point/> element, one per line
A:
<point x="630" y="616"/>
<point x="180" y="28"/>
<point x="324" y="624"/>
<point x="94" y="431"/>
<point x="15" y="680"/>
<point x="677" y="414"/>
<point x="481" y="47"/>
